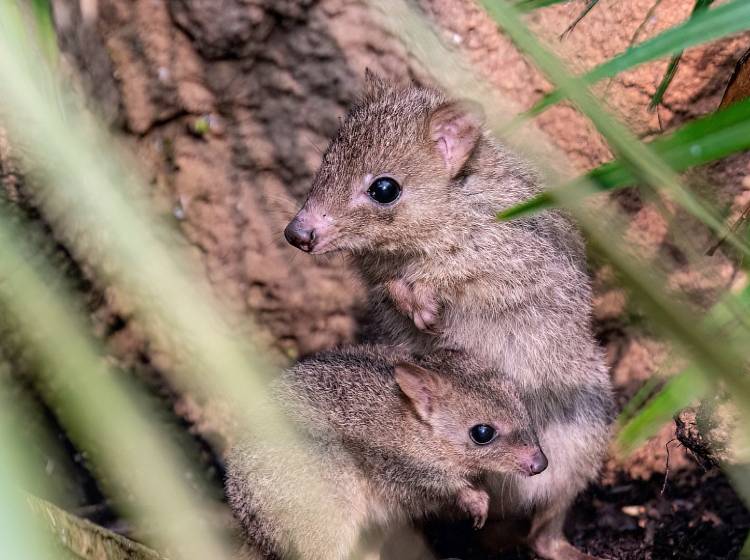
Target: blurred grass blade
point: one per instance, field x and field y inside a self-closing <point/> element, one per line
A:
<point x="724" y="362"/>
<point x="102" y="419"/>
<point x="674" y="63"/>
<point x="686" y="387"/>
<point x="681" y="390"/>
<point x="95" y="204"/>
<point x="42" y="10"/>
<point x="89" y="196"/>
<point x="22" y="535"/>
<point x="635" y="156"/>
<point x="704" y="140"/>
<point x="706" y="26"/>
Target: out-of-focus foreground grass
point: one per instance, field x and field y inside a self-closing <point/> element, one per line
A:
<point x="84" y="188"/>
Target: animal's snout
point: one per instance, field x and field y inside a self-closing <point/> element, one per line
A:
<point x="300" y="235"/>
<point x="536" y="463"/>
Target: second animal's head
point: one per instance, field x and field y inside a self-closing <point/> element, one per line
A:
<point x="478" y="428"/>
<point x="386" y="182"/>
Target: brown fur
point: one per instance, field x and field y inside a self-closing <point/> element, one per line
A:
<point x="443" y="273"/>
<point x="390" y="442"/>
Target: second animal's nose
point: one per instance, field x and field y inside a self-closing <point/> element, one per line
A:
<point x="537" y="463"/>
<point x="299" y="236"/>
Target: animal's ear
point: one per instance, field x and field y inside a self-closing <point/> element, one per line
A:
<point x="455" y="128"/>
<point x="421" y="386"/>
<point x="375" y="86"/>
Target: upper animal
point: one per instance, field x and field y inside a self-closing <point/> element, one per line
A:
<point x="389" y="441"/>
<point x="410" y="186"/>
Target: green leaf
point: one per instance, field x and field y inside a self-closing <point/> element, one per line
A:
<point x="699" y="7"/>
<point x="701" y="141"/>
<point x="530" y="5"/>
<point x="666" y="80"/>
<point x="706" y="26"/>
<point x="589" y="6"/>
<point x="678" y="393"/>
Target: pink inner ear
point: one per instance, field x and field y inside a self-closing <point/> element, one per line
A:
<point x="415" y="388"/>
<point x="447" y="135"/>
<point x="445" y="149"/>
<point x="455" y="135"/>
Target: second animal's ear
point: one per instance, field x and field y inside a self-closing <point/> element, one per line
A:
<point x="455" y="127"/>
<point x="421" y="386"/>
<point x="375" y="86"/>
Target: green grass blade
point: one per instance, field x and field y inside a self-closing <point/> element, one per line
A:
<point x="530" y="5"/>
<point x="666" y="80"/>
<point x="678" y="393"/>
<point x="706" y="26"/>
<point x="638" y="424"/>
<point x="698" y="142"/>
<point x="713" y="361"/>
<point x="674" y="63"/>
<point x="643" y="395"/>
<point x="724" y="363"/>
<point x="636" y="156"/>
<point x="589" y="6"/>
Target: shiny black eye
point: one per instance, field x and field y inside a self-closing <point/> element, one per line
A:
<point x="482" y="434"/>
<point x="384" y="190"/>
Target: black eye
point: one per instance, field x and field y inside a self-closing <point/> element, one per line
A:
<point x="482" y="434"/>
<point x="384" y="190"/>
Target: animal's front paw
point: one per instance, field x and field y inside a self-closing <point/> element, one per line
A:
<point x="418" y="301"/>
<point x="426" y="310"/>
<point x="476" y="503"/>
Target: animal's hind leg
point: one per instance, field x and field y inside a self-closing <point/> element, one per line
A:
<point x="546" y="537"/>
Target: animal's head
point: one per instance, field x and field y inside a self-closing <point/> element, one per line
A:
<point x="482" y="427"/>
<point x="386" y="179"/>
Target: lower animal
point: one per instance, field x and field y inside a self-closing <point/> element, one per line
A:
<point x="387" y="440"/>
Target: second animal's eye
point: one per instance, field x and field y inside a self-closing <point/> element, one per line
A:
<point x="384" y="190"/>
<point x="482" y="434"/>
